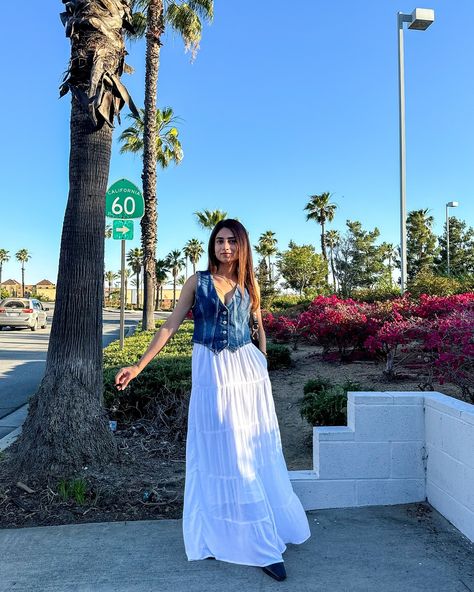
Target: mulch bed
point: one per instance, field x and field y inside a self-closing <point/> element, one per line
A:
<point x="146" y="484"/>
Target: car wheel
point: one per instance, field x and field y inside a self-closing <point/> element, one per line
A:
<point x="35" y="326"/>
<point x="44" y="326"/>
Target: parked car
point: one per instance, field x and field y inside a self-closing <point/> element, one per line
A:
<point x="23" y="312"/>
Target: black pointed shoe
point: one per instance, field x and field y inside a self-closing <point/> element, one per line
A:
<point x="276" y="571"/>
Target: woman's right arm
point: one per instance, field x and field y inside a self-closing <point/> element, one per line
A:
<point x="162" y="336"/>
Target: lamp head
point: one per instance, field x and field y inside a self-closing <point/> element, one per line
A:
<point x="421" y="19"/>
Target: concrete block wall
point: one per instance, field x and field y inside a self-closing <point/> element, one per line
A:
<point x="398" y="447"/>
<point x="449" y="434"/>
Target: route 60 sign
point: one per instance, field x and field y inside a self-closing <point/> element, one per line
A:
<point x="124" y="200"/>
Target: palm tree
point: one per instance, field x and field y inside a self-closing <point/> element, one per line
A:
<point x="135" y="259"/>
<point x="4" y="257"/>
<point x="161" y="273"/>
<point x="186" y="19"/>
<point x="67" y="427"/>
<point x="175" y="263"/>
<point x="168" y="149"/>
<point x="108" y="231"/>
<point x="194" y="250"/>
<point x="332" y="239"/>
<point x="23" y="257"/>
<point x="168" y="146"/>
<point x="320" y="210"/>
<point x="207" y="219"/>
<point x="266" y="248"/>
<point x="110" y="276"/>
<point x="126" y="276"/>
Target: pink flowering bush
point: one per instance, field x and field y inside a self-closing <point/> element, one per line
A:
<point x="434" y="334"/>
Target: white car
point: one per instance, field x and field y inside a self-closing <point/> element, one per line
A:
<point x="23" y="312"/>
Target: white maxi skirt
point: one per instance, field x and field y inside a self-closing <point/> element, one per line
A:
<point x="239" y="504"/>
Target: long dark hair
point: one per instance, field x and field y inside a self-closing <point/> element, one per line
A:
<point x="245" y="273"/>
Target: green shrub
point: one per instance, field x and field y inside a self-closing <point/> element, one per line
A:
<point x="376" y="294"/>
<point x="279" y="356"/>
<point x="434" y="285"/>
<point x="325" y="403"/>
<point x="286" y="301"/>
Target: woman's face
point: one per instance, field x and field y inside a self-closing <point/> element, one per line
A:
<point x="225" y="246"/>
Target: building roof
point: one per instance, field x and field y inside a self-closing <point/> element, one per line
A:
<point x="10" y="283"/>
<point x="45" y="283"/>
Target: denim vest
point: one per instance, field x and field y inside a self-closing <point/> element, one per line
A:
<point x="216" y="325"/>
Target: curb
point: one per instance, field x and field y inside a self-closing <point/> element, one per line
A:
<point x="7" y="440"/>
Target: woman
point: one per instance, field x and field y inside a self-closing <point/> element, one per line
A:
<point x="239" y="505"/>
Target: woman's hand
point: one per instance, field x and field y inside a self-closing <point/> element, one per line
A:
<point x="124" y="376"/>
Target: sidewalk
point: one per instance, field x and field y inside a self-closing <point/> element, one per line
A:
<point x="370" y="549"/>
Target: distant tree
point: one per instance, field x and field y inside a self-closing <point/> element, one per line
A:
<point x="108" y="231"/>
<point x="320" y="209"/>
<point x="176" y="263"/>
<point x="359" y="262"/>
<point x="110" y="276"/>
<point x="207" y="219"/>
<point x="302" y="269"/>
<point x="461" y="249"/>
<point x="23" y="256"/>
<point x="421" y="243"/>
<point x="161" y="271"/>
<point x="194" y="251"/>
<point x="267" y="246"/>
<point x="135" y="259"/>
<point x="4" y="257"/>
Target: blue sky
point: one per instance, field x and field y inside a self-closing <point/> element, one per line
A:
<point x="281" y="103"/>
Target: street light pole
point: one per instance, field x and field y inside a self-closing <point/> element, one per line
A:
<point x="420" y="19"/>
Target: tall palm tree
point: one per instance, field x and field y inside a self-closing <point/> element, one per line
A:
<point x="194" y="250"/>
<point x="161" y="273"/>
<point x="67" y="427"/>
<point x="23" y="256"/>
<point x="4" y="257"/>
<point x="207" y="219"/>
<point x="332" y="239"/>
<point x="168" y="149"/>
<point x="135" y="260"/>
<point x="266" y="248"/>
<point x="176" y="263"/>
<point x="320" y="209"/>
<point x="185" y="18"/>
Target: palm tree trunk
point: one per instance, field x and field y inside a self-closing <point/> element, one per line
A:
<point x="155" y="28"/>
<point x="174" y="291"/>
<point x="67" y="427"/>
<point x="138" y="290"/>
<point x="333" y="270"/>
<point x="22" y="281"/>
<point x="323" y="250"/>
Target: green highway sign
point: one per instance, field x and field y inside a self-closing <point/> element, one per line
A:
<point x="122" y="229"/>
<point x="124" y="200"/>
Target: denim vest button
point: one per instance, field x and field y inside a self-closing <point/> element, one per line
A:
<point x="224" y="322"/>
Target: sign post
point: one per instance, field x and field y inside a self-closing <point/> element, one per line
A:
<point x="123" y="202"/>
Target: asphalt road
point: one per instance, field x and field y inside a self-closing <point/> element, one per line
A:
<point x="23" y="356"/>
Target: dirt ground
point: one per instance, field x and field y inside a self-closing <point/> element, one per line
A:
<point x="148" y="482"/>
